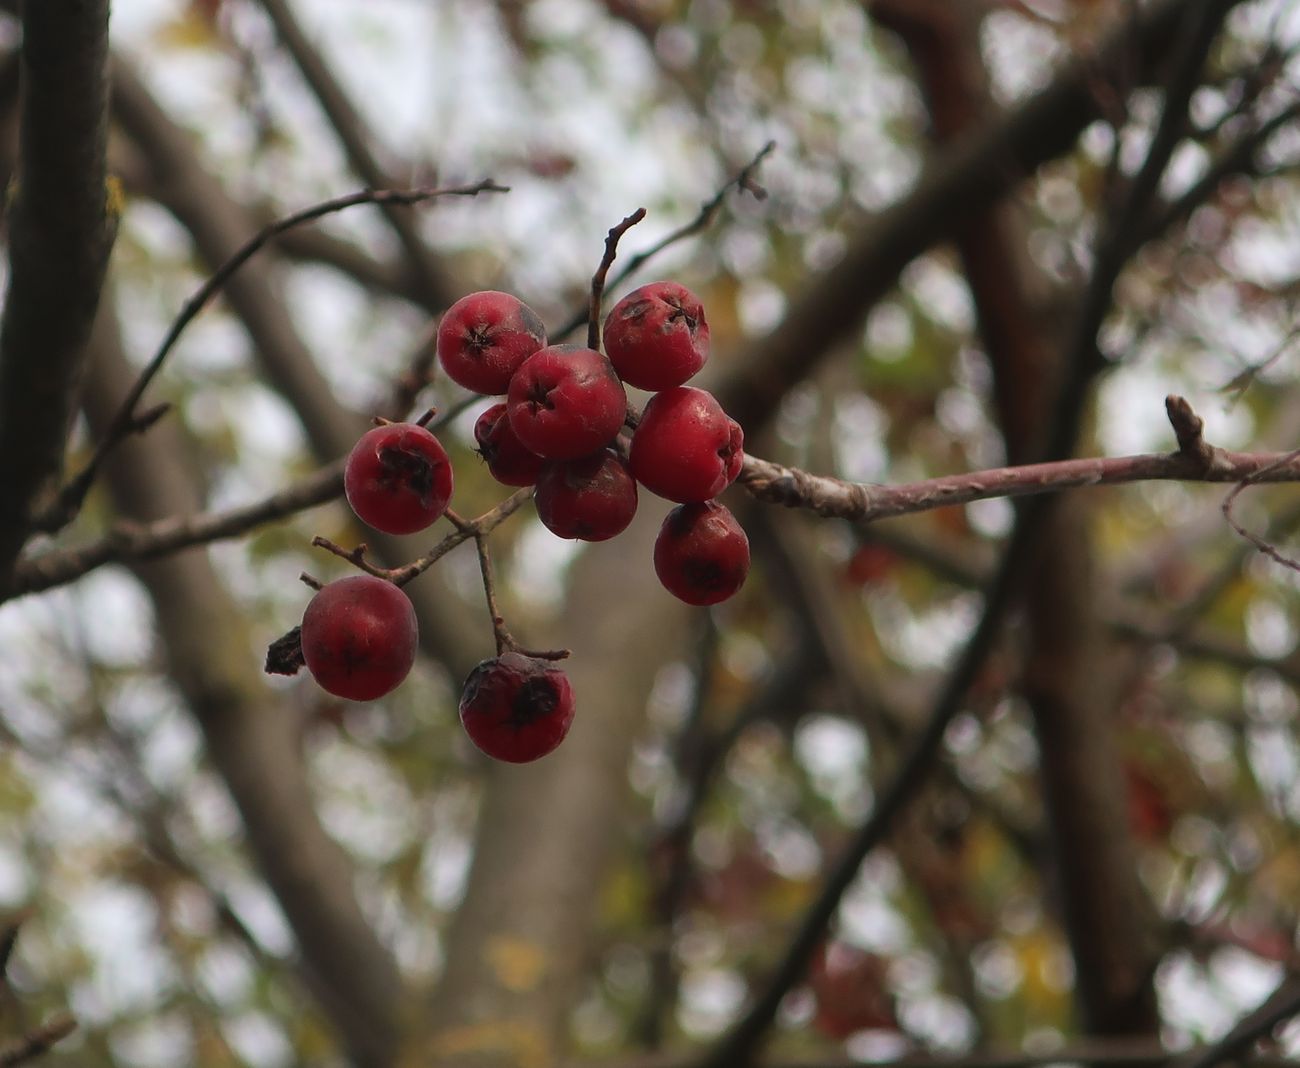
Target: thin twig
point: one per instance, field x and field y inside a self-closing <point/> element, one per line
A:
<point x="505" y="641"/>
<point x="284" y="654"/>
<point x="1284" y="462"/>
<point x="70" y="498"/>
<point x="499" y="633"/>
<point x="598" y="279"/>
<point x="132" y="541"/>
<point x="744" y="180"/>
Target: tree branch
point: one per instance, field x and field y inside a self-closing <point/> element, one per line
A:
<point x="977" y="171"/>
<point x="864" y="502"/>
<point x="355" y="138"/>
<point x="766" y="480"/>
<point x="61" y="224"/>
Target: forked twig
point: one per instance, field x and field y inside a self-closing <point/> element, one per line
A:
<point x="125" y="422"/>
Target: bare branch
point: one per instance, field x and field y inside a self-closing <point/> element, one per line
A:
<point x="1264" y="474"/>
<point x="124" y="423"/>
<point x="598" y="279"/>
<point x="356" y="139"/>
<point x="744" y="179"/>
<point x="864" y="503"/>
<point x="284" y="654"/>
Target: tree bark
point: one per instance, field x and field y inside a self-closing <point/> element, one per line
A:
<point x="61" y="226"/>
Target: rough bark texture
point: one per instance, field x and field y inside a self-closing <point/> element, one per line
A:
<point x="250" y="733"/>
<point x="1107" y="920"/>
<point x="60" y="234"/>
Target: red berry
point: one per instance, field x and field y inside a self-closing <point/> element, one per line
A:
<point x="483" y="338"/>
<point x="398" y="478"/>
<point x="656" y="337"/>
<point x="701" y="553"/>
<point x="507" y="459"/>
<point x="516" y="708"/>
<point x="566" y="401"/>
<point x="358" y="637"/>
<point x="686" y="448"/>
<point x="592" y="498"/>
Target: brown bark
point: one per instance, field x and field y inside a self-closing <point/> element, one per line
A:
<point x="60" y="232"/>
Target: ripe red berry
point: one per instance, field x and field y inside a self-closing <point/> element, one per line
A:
<point x="566" y="401"/>
<point x="358" y="637"/>
<point x="701" y="553"/>
<point x="656" y="337"/>
<point x="484" y="337"/>
<point x="398" y="478"/>
<point x="516" y="708"/>
<point x="509" y="462"/>
<point x="592" y="498"/>
<point x="686" y="448"/>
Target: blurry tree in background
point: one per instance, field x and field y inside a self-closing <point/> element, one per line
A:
<point x="976" y="784"/>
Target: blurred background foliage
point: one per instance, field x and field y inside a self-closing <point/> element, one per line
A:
<point x="120" y="849"/>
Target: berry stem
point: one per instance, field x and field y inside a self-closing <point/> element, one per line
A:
<point x="356" y="557"/>
<point x="499" y="632"/>
<point x="504" y="639"/>
<point x="602" y="272"/>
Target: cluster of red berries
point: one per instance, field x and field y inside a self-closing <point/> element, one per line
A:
<point x="557" y="430"/>
<point x="565" y="405"/>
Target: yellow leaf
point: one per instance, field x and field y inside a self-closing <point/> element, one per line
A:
<point x="519" y="965"/>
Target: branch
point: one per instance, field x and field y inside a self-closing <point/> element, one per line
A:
<point x="1276" y="1009"/>
<point x="38" y="1042"/>
<point x="61" y="223"/>
<point x="744" y="179"/>
<point x="598" y="279"/>
<point x="1262" y="475"/>
<point x="766" y="480"/>
<point x="977" y="171"/>
<point x="864" y="502"/>
<point x="128" y="542"/>
<point x="125" y="422"/>
<point x="284" y="654"/>
<point x="146" y="541"/>
<point x="355" y="137"/>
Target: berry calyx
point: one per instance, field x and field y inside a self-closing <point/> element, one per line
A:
<point x="509" y="462"/>
<point x="565" y="401"/>
<point x="685" y="447"/>
<point x="398" y="478"/>
<point x="657" y="337"/>
<point x="484" y="337"/>
<point x="358" y="637"/>
<point x="591" y="499"/>
<point x="701" y="554"/>
<point x="516" y="708"/>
